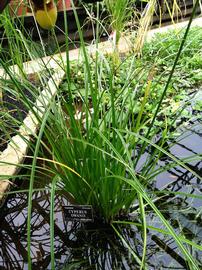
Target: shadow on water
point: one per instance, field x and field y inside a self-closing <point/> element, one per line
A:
<point x="91" y="246"/>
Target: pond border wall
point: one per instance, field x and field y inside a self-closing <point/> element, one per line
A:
<point x="13" y="156"/>
<point x="15" y="153"/>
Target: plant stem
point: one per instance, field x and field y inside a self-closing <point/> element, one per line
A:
<point x="169" y="79"/>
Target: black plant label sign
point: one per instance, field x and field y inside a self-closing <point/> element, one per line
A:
<point x="82" y="213"/>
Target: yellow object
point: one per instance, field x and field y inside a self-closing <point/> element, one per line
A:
<point x="47" y="17"/>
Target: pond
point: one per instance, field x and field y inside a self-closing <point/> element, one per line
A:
<point x="119" y="116"/>
<point x="94" y="246"/>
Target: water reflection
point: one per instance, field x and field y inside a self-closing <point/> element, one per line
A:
<point x="88" y="246"/>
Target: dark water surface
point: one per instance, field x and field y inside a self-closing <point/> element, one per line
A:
<point x="92" y="246"/>
<point x="16" y="103"/>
